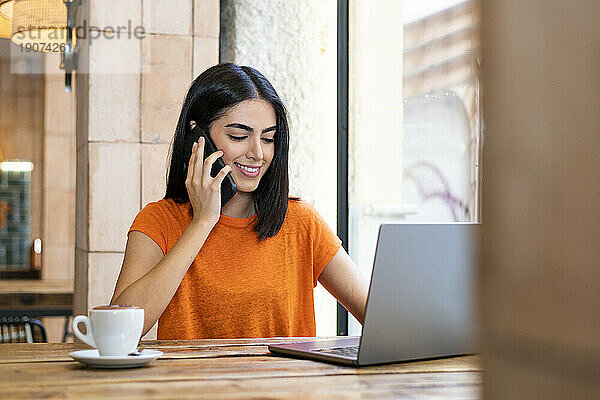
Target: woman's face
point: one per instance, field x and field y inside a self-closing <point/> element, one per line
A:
<point x="246" y="136"/>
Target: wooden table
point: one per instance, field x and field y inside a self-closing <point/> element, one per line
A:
<point x="227" y="369"/>
<point x="36" y="298"/>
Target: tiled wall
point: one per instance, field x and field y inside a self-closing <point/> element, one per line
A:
<point x="127" y="110"/>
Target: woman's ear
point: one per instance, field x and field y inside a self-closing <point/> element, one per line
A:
<point x="192" y="124"/>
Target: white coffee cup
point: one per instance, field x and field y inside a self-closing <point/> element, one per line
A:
<point x="113" y="330"/>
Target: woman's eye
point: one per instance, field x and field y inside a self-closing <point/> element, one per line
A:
<point x="237" y="138"/>
<point x="268" y="140"/>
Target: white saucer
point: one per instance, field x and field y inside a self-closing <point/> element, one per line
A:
<point x="93" y="359"/>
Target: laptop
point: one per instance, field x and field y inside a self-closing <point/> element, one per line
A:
<point x="421" y="302"/>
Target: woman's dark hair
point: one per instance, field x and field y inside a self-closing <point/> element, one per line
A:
<point x="210" y="96"/>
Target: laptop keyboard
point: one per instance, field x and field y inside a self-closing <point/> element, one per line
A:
<point x="346" y="351"/>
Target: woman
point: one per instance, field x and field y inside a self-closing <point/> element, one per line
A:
<point x="247" y="269"/>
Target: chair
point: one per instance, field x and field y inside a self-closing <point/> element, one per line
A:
<point x="21" y="330"/>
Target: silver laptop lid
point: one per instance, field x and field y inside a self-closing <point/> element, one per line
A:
<point x="422" y="296"/>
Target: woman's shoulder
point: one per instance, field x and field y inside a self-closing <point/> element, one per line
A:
<point x="303" y="219"/>
<point x="162" y="205"/>
<point x="298" y="207"/>
<point x="166" y="209"/>
<point x="301" y="212"/>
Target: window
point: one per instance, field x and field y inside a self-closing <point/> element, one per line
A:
<point x="413" y="117"/>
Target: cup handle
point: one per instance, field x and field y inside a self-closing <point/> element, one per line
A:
<point x="87" y="338"/>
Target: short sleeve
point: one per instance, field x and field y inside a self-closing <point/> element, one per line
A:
<point x="152" y="221"/>
<point x="325" y="244"/>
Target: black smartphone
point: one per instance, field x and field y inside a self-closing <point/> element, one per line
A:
<point x="228" y="186"/>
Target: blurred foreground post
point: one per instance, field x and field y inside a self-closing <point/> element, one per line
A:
<point x="541" y="199"/>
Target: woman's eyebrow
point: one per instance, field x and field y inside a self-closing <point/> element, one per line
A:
<point x="247" y="128"/>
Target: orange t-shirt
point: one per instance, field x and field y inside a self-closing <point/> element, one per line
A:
<point x="237" y="287"/>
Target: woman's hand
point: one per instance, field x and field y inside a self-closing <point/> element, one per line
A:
<point x="204" y="191"/>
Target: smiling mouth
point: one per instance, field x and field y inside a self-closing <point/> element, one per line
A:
<point x="248" y="171"/>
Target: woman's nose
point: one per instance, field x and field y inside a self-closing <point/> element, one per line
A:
<point x="255" y="150"/>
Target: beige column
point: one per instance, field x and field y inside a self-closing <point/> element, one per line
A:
<point x="128" y="103"/>
<point x="58" y="233"/>
<point x="58" y="227"/>
<point x="541" y="199"/>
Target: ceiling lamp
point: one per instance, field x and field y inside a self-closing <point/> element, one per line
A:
<point x="16" y="166"/>
<point x="40" y="25"/>
<point x="5" y="27"/>
<point x="47" y="26"/>
<point x="6" y="8"/>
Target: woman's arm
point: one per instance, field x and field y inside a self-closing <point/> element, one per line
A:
<point x="148" y="279"/>
<point x="344" y="281"/>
